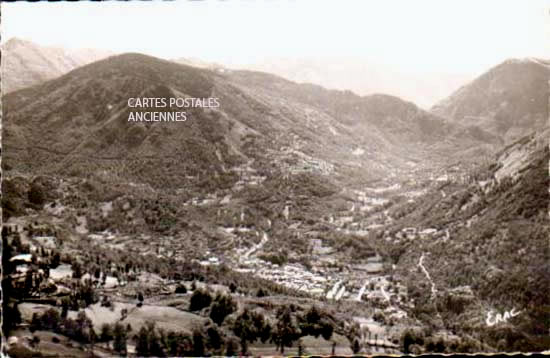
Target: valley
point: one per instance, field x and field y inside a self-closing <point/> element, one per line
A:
<point x="289" y="220"/>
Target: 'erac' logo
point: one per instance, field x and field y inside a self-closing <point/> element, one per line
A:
<point x="492" y="320"/>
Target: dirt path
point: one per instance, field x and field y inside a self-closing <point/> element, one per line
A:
<point x="421" y="265"/>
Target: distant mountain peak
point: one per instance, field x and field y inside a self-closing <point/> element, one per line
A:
<point x="510" y="100"/>
<point x="25" y="63"/>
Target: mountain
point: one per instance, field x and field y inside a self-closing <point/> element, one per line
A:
<point x="365" y="77"/>
<point x="81" y="118"/>
<point x="25" y="64"/>
<point x="84" y="113"/>
<point x="387" y="128"/>
<point x="508" y="101"/>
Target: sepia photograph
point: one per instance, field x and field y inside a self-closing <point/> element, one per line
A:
<point x="275" y="178"/>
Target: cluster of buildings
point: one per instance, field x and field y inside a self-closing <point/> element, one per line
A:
<point x="305" y="163"/>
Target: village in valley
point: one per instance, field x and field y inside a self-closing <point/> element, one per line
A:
<point x="321" y="272"/>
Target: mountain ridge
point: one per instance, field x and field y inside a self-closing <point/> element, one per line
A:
<point x="88" y="90"/>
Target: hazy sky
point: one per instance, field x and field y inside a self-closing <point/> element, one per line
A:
<point x="419" y="35"/>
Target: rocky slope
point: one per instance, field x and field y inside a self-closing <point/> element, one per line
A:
<point x="485" y="245"/>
